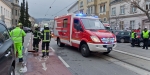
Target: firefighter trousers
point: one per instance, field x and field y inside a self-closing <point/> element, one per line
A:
<point x="18" y="48"/>
<point x="36" y="44"/>
<point x="45" y="45"/>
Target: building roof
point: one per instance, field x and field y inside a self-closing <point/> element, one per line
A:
<point x="8" y="3"/>
<point x="73" y="5"/>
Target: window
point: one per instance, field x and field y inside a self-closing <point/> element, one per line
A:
<point x="16" y="12"/>
<point x="16" y="22"/>
<point x="102" y="8"/>
<point x="132" y="23"/>
<point x="77" y="25"/>
<point x="105" y="20"/>
<point x="81" y="4"/>
<point x="133" y="9"/>
<point x="122" y="10"/>
<point x="92" y="24"/>
<point x="65" y="23"/>
<point x="147" y="5"/>
<point x="4" y="35"/>
<point x="113" y="11"/>
<point x="1" y="10"/>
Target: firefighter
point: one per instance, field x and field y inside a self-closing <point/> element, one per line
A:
<point x="17" y="35"/>
<point x="46" y="36"/>
<point x="36" y="38"/>
<point x="133" y="36"/>
<point x="145" y="35"/>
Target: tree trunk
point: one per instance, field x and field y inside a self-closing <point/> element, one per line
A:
<point x="148" y="16"/>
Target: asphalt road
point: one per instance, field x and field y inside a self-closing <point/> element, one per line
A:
<point x="124" y="60"/>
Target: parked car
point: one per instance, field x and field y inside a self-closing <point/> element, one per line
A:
<point x="7" y="53"/>
<point x="27" y="29"/>
<point x="123" y="36"/>
<point x="139" y="40"/>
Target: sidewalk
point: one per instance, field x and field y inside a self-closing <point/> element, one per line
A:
<point x="45" y="66"/>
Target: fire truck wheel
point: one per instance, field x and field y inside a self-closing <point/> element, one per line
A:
<point x="85" y="50"/>
<point x="59" y="43"/>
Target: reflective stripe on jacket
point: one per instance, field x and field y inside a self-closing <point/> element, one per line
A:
<point x="46" y="36"/>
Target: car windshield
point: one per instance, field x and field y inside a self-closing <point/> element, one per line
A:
<point x="92" y="24"/>
<point x="107" y="28"/>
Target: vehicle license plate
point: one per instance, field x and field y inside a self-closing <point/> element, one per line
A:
<point x="111" y="45"/>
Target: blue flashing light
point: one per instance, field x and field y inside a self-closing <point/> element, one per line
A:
<point x="96" y="16"/>
<point x="80" y="15"/>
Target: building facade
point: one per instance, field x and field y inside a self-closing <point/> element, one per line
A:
<point x="73" y="8"/>
<point x="5" y="12"/>
<point x="124" y="16"/>
<point x="95" y="7"/>
<point x="32" y="20"/>
<point x="15" y="12"/>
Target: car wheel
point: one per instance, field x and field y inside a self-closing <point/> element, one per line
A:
<point x="122" y="40"/>
<point x="141" y="44"/>
<point x="85" y="50"/>
<point x="12" y="71"/>
<point x="59" y="43"/>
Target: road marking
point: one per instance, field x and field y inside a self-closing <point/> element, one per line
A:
<point x="44" y="66"/>
<point x="63" y="62"/>
<point x="52" y="49"/>
<point x="26" y="50"/>
<point x="27" y="44"/>
<point x="128" y="66"/>
<point x="134" y="55"/>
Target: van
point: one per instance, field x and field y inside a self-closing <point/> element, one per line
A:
<point x="86" y="33"/>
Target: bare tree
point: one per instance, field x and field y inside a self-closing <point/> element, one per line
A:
<point x="140" y="5"/>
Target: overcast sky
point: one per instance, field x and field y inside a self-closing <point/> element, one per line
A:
<point x="38" y="8"/>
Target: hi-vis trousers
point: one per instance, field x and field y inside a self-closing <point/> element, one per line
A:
<point x="18" y="49"/>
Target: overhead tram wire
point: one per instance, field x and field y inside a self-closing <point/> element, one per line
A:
<point x="63" y="9"/>
<point x="50" y="7"/>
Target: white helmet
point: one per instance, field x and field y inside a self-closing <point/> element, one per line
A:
<point x="35" y="25"/>
<point x="46" y="25"/>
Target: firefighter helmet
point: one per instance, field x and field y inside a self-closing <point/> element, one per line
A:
<point x="46" y="25"/>
<point x="19" y="24"/>
<point x="35" y="25"/>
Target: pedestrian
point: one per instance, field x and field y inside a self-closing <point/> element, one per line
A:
<point x="145" y="35"/>
<point x="36" y="38"/>
<point x="46" y="36"/>
<point x="133" y="37"/>
<point x="17" y="35"/>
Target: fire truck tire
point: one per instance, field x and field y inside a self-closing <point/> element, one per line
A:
<point x="59" y="43"/>
<point x="85" y="50"/>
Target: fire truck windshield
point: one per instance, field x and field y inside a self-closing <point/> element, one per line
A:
<point x="92" y="24"/>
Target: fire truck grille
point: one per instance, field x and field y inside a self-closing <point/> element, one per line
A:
<point x="108" y="40"/>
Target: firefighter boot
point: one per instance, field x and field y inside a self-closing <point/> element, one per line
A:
<point x="20" y="59"/>
<point x="43" y="54"/>
<point x="47" y="53"/>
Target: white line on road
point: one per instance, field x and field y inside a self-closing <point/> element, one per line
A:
<point x="63" y="62"/>
<point x="134" y="55"/>
<point x="128" y="66"/>
<point x="26" y="50"/>
<point x="52" y="49"/>
<point x="27" y="44"/>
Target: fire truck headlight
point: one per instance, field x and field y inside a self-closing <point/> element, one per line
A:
<point x="95" y="39"/>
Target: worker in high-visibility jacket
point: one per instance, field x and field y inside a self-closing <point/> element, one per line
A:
<point x="36" y="38"/>
<point x="17" y="35"/>
<point x="46" y="37"/>
<point x="145" y="35"/>
<point x="133" y="37"/>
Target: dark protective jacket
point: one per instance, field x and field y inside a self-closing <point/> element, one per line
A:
<point x="36" y="33"/>
<point x="46" y="35"/>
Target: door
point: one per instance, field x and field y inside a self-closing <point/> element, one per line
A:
<point x="66" y="31"/>
<point x="6" y="54"/>
<point x="127" y="36"/>
<point x="77" y="32"/>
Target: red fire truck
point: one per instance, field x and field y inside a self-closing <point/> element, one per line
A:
<point x="86" y="33"/>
